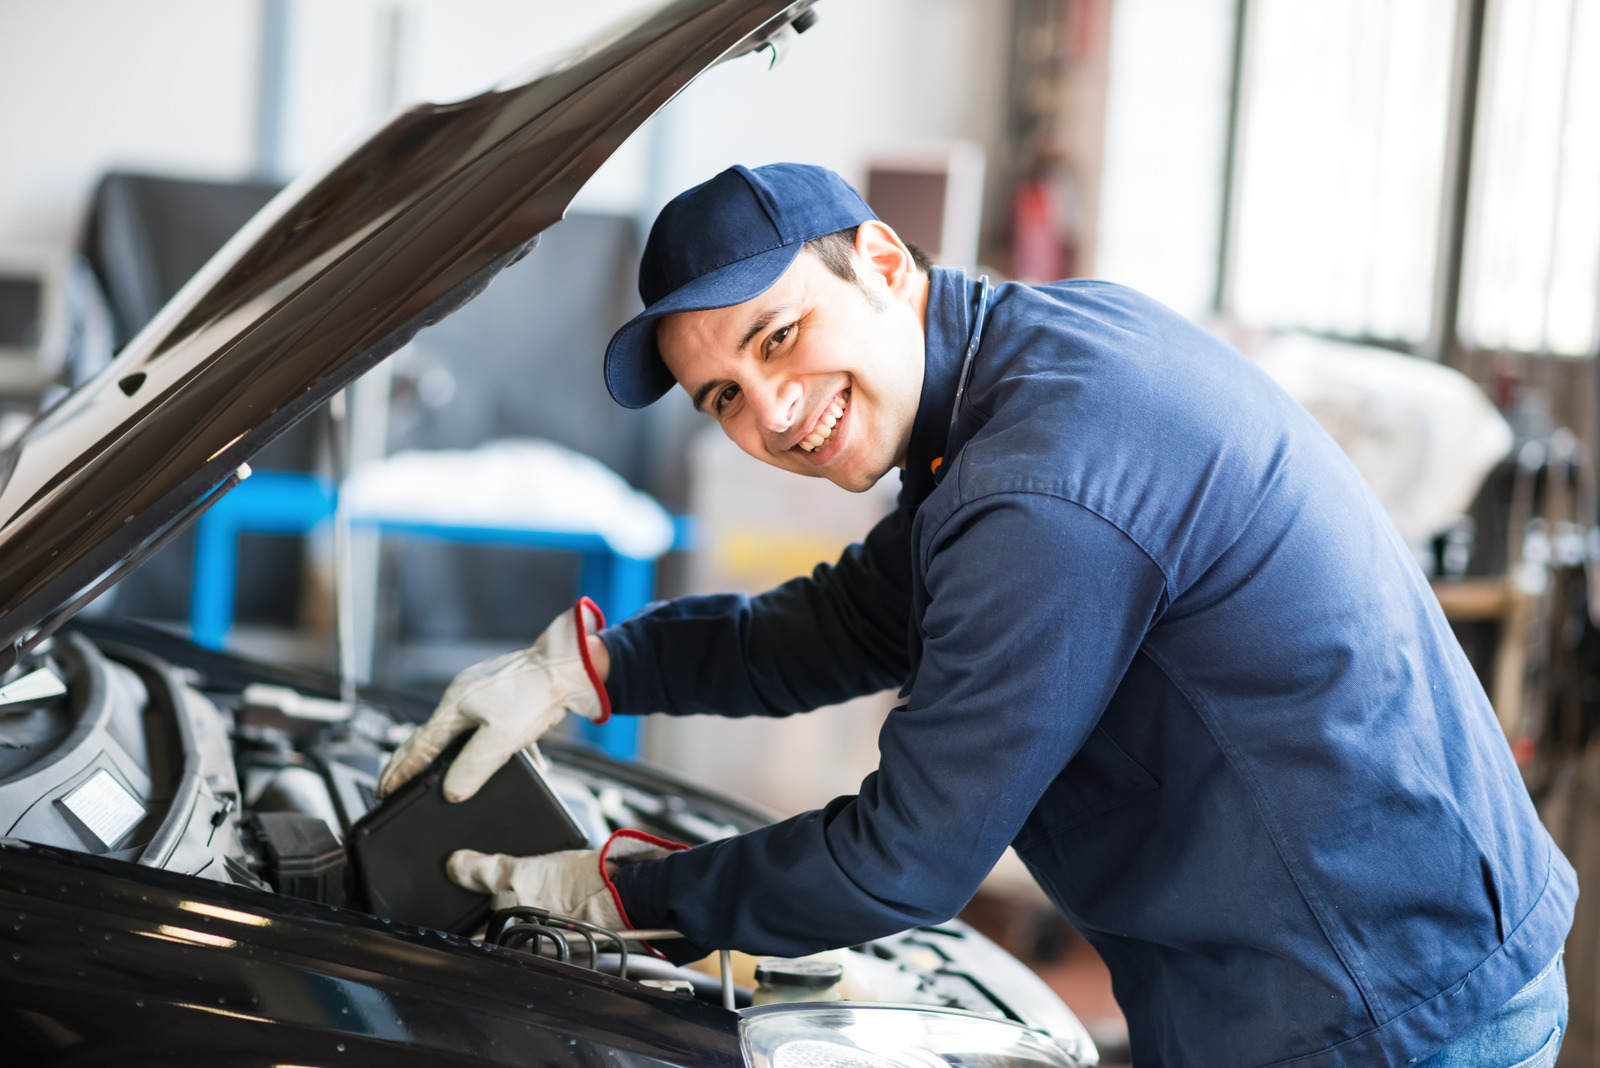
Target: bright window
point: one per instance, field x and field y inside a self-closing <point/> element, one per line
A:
<point x="1340" y="165"/>
<point x="1532" y="269"/>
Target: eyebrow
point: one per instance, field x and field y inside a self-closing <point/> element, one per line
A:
<point x="700" y="395"/>
<point x="758" y="324"/>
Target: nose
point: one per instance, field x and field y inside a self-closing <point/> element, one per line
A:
<point x="776" y="404"/>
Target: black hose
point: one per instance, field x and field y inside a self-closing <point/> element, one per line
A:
<point x="536" y="933"/>
<point x="606" y="932"/>
<point x="499" y="921"/>
<point x="504" y="927"/>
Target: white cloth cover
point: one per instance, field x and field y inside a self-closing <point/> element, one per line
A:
<point x="516" y="483"/>
<point x="1423" y="435"/>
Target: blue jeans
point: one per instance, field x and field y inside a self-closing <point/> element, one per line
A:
<point x="1525" y="1033"/>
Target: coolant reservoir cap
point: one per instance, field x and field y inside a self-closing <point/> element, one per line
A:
<point x="807" y="974"/>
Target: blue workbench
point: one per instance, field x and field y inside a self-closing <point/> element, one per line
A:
<point x="281" y="502"/>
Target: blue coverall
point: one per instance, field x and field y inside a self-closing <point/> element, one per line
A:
<point x="1151" y="628"/>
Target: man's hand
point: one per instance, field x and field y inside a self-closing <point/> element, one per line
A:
<point x="575" y="883"/>
<point x="512" y="701"/>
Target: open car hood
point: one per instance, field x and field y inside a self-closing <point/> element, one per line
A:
<point x="337" y="272"/>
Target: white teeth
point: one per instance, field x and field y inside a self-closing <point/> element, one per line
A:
<point x="825" y="426"/>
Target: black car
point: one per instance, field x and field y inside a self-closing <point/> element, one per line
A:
<point x="174" y="882"/>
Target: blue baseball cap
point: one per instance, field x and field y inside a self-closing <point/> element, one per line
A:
<point x="722" y="243"/>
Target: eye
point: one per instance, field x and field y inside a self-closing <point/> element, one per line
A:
<point x="724" y="397"/>
<point x="779" y="336"/>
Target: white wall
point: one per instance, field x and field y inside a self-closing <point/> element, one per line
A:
<point x="171" y="85"/>
<point x="90" y="84"/>
<point x="343" y="69"/>
<point x="871" y="75"/>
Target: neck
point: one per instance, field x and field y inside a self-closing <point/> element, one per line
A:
<point x="919" y="300"/>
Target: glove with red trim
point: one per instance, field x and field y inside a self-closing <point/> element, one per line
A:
<point x="575" y="883"/>
<point x="511" y="701"/>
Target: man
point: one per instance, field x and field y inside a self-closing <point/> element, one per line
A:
<point x="1150" y="627"/>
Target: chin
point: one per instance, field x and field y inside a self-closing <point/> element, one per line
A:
<point x="855" y="481"/>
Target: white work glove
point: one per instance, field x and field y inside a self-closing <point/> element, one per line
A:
<point x="575" y="883"/>
<point x="512" y="701"/>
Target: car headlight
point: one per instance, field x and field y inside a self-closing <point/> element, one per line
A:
<point x="890" y="1036"/>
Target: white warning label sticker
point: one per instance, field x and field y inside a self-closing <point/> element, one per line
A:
<point x="104" y="806"/>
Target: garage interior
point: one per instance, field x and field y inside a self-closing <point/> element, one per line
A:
<point x="1393" y="206"/>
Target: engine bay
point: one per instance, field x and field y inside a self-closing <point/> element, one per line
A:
<point x="193" y="763"/>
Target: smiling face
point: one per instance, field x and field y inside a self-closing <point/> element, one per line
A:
<point x="817" y="375"/>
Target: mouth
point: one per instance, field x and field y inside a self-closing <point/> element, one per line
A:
<point x="822" y="432"/>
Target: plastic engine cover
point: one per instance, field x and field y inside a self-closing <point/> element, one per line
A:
<point x="129" y="763"/>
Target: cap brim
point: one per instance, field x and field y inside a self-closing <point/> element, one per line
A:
<point x="635" y="374"/>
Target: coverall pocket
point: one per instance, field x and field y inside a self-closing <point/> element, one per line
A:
<point x="1099" y="778"/>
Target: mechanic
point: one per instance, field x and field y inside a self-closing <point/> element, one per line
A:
<point x="1149" y="625"/>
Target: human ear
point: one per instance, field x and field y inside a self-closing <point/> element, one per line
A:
<point x="883" y="254"/>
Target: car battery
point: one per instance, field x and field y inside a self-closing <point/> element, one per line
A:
<point x="302" y="857"/>
<point x="399" y="849"/>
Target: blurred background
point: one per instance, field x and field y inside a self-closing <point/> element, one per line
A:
<point x="1393" y="205"/>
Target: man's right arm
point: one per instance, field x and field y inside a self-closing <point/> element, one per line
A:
<point x="813" y="641"/>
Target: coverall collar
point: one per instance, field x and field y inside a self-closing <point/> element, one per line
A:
<point x="948" y="326"/>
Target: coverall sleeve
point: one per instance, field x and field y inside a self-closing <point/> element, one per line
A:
<point x="818" y="640"/>
<point x="1035" y="609"/>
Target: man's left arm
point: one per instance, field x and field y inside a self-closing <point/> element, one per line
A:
<point x="1036" y="607"/>
<point x="816" y="640"/>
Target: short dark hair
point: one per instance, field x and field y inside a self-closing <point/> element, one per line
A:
<point x="836" y="250"/>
